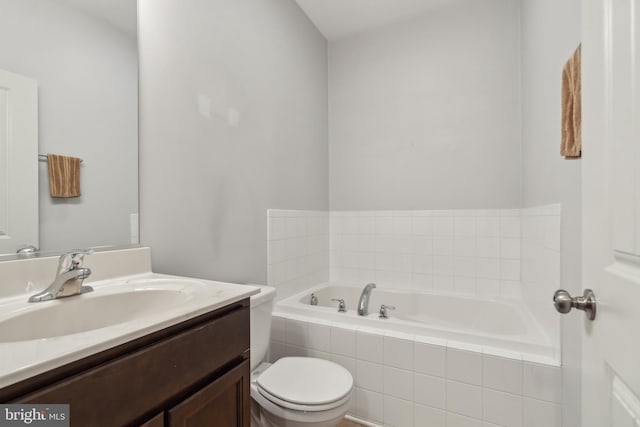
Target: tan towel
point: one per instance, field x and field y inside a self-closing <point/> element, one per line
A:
<point x="64" y="176"/>
<point x="572" y="107"/>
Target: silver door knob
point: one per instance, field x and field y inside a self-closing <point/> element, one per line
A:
<point x="587" y="302"/>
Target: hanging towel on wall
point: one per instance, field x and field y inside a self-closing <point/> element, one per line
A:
<point x="64" y="176"/>
<point x="572" y="107"/>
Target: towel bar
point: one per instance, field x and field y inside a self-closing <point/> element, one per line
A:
<point x="43" y="158"/>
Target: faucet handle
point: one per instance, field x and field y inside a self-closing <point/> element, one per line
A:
<point x="383" y="311"/>
<point x="73" y="258"/>
<point x="342" y="307"/>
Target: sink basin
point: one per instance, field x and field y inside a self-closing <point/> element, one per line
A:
<point x="38" y="337"/>
<point x="104" y="307"/>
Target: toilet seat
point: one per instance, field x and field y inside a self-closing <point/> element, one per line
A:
<point x="305" y="384"/>
<point x="303" y="408"/>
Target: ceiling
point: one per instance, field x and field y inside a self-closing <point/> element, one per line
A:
<point x="341" y="18"/>
<point x="122" y="14"/>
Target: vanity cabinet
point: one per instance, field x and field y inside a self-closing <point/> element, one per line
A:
<point x="194" y="374"/>
<point x="218" y="404"/>
<point x="157" y="421"/>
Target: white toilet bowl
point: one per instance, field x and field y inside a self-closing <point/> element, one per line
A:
<point x="293" y="391"/>
<point x="301" y="392"/>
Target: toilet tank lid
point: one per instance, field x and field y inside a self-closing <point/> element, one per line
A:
<point x="266" y="293"/>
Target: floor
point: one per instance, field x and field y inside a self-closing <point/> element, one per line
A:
<point x="347" y="423"/>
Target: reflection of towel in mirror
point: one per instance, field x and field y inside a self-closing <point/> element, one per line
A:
<point x="572" y="107"/>
<point x="64" y="176"/>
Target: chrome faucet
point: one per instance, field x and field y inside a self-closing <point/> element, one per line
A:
<point x="342" y="307"/>
<point x="69" y="277"/>
<point x="363" y="304"/>
<point x="384" y="311"/>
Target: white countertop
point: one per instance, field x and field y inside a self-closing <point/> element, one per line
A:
<point x="20" y="360"/>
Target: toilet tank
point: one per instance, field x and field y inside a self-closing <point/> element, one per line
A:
<point x="261" y="309"/>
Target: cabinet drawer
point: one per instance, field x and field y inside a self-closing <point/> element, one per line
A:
<point x="142" y="383"/>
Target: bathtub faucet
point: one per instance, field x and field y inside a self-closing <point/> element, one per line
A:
<point x="363" y="304"/>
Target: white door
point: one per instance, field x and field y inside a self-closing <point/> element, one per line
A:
<point x="611" y="211"/>
<point x="18" y="162"/>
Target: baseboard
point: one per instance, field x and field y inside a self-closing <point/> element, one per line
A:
<point x="360" y="421"/>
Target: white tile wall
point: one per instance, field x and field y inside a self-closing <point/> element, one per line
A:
<point x="538" y="413"/>
<point x="398" y="383"/>
<point x="397" y="412"/>
<point x="461" y="251"/>
<point x="502" y="374"/>
<point x="401" y="381"/>
<point x="540" y="264"/>
<point x="464" y="399"/>
<point x="407" y="381"/>
<point x="369" y="347"/>
<point x="426" y="416"/>
<point x="455" y="420"/>
<point x="430" y="359"/>
<point x="464" y="366"/>
<point x="370" y="376"/>
<point x="491" y="253"/>
<point x="298" y="250"/>
<point x="429" y="391"/>
<point x="370" y="403"/>
<point x="543" y="382"/>
<point x="398" y="352"/>
<point x="504" y="409"/>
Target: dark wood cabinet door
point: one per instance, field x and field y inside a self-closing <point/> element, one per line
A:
<point x="223" y="403"/>
<point x="157" y="421"/>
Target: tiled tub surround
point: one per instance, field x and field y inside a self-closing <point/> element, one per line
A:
<point x="512" y="254"/>
<point x="473" y="252"/>
<point x="541" y="265"/>
<point x="298" y="249"/>
<point x="406" y="380"/>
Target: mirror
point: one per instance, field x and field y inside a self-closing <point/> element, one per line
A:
<point x="83" y="56"/>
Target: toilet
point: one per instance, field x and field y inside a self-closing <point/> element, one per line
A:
<point x="293" y="391"/>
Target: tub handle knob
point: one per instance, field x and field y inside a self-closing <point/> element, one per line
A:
<point x="314" y="299"/>
<point x="383" y="311"/>
<point x="342" y="308"/>
<point x="587" y="302"/>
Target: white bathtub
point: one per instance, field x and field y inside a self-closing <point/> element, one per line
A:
<point x="492" y="326"/>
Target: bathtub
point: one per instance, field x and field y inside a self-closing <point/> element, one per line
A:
<point x="437" y="360"/>
<point x="493" y="326"/>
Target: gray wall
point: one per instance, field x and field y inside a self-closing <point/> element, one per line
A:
<point x="550" y="33"/>
<point x="425" y="114"/>
<point x="87" y="73"/>
<point x="233" y="120"/>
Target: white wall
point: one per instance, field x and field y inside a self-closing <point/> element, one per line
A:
<point x="425" y="114"/>
<point x="550" y="33"/>
<point x="87" y="73"/>
<point x="233" y="122"/>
